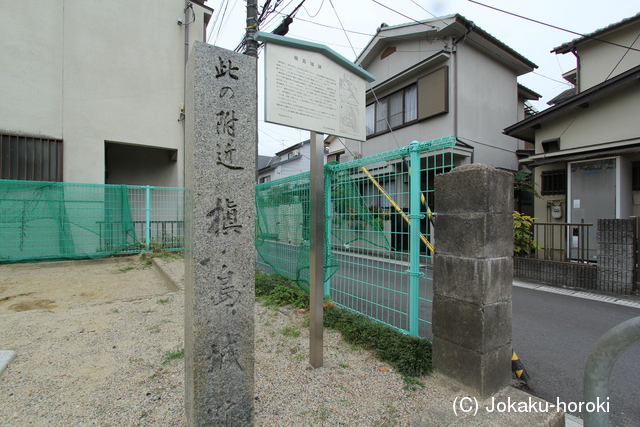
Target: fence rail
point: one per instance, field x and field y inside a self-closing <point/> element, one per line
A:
<point x="378" y="232"/>
<point x="158" y="217"/>
<point x="42" y="220"/>
<point x="561" y="241"/>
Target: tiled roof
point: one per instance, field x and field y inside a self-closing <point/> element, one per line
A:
<point x="566" y="47"/>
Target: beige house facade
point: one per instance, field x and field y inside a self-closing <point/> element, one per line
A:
<point x="586" y="164"/>
<point x="94" y="92"/>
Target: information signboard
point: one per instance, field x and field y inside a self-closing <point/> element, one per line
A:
<point x="308" y="90"/>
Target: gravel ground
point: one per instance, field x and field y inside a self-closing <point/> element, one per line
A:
<point x="107" y="364"/>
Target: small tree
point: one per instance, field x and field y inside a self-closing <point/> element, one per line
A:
<point x="523" y="243"/>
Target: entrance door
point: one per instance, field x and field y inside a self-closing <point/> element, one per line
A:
<point x="593" y="196"/>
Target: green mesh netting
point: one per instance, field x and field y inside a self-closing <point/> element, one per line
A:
<point x="282" y="224"/>
<point x="351" y="218"/>
<point x="54" y="220"/>
<point x="282" y="228"/>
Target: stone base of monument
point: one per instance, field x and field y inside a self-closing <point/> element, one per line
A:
<point x="6" y="356"/>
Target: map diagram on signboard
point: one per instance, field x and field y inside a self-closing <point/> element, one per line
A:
<point x="349" y="103"/>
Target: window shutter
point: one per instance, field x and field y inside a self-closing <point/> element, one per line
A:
<point x="433" y="91"/>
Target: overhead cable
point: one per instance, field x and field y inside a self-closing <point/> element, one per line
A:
<point x="557" y="28"/>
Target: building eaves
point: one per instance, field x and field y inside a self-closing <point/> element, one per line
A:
<point x="292" y="147"/>
<point x="585" y="155"/>
<point x="430" y="26"/>
<point x="528" y="93"/>
<point x="263" y="161"/>
<point x="525" y="129"/>
<point x="486" y="35"/>
<point x="271" y="163"/>
<point x="567" y="47"/>
<point x="563" y="96"/>
<point x="201" y="4"/>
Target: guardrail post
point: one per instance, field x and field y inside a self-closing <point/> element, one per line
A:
<point x="597" y="372"/>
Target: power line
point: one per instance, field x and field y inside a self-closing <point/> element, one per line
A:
<point x="316" y="14"/>
<point x="332" y="27"/>
<point x="345" y="33"/>
<point x="589" y="100"/>
<point x="406" y="16"/>
<point x="553" y="26"/>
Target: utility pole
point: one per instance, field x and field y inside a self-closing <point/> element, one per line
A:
<point x="251" y="46"/>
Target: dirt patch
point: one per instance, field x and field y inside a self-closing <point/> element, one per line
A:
<point x="58" y="286"/>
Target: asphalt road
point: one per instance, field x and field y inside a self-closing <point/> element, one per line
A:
<point x="553" y="336"/>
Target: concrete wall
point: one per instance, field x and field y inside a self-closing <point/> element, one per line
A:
<point x="574" y="275"/>
<point x="32" y="72"/>
<point x="90" y="73"/>
<point x="613" y="273"/>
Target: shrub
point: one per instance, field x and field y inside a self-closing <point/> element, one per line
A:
<point x="523" y="243"/>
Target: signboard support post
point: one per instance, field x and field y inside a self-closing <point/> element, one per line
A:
<point x="316" y="250"/>
<point x="309" y="86"/>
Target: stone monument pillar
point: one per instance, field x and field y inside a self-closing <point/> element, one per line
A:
<point x="220" y="170"/>
<point x="473" y="275"/>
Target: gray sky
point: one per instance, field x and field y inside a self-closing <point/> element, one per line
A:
<point x="534" y="41"/>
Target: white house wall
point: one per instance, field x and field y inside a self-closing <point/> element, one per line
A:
<point x="295" y="167"/>
<point x="31" y="63"/>
<point x="94" y="73"/>
<point x="407" y="54"/>
<point x="487" y="103"/>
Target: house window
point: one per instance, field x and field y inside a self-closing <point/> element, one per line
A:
<point x="394" y="110"/>
<point x="433" y="93"/>
<point x="30" y="158"/>
<point x="381" y="115"/>
<point x="635" y="179"/>
<point x="551" y="145"/>
<point x="264" y="179"/>
<point x="293" y="154"/>
<point x="427" y="98"/>
<point x="554" y="182"/>
<point x="371" y="119"/>
<point x="411" y="103"/>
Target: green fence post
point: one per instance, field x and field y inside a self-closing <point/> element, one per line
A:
<point x="414" y="236"/>
<point x="147" y="223"/>
<point x="327" y="227"/>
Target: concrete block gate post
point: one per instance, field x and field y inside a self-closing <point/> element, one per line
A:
<point x="220" y="170"/>
<point x="473" y="275"/>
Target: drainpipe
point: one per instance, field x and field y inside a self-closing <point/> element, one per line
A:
<point x="185" y="25"/>
<point x="575" y="53"/>
<point x="454" y="50"/>
<point x="188" y="5"/>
